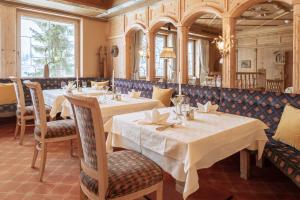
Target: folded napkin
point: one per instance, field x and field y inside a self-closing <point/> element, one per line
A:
<point x="71" y="85"/>
<point x="134" y="94"/>
<point x="155" y="117"/>
<point x="208" y="107"/>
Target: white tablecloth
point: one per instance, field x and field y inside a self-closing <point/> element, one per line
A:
<point x="113" y="107"/>
<point x="199" y="144"/>
<point x="55" y="98"/>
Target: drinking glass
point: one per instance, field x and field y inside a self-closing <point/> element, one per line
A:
<point x="63" y="85"/>
<point x="105" y="88"/>
<point x="84" y="84"/>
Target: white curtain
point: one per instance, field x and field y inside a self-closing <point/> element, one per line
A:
<point x="172" y="71"/>
<point x="203" y="56"/>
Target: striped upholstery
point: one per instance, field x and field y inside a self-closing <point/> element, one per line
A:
<point x="29" y="110"/>
<point x="58" y="128"/>
<point x="87" y="135"/>
<point x="128" y="172"/>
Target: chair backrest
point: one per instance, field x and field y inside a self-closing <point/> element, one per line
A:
<point x="38" y="106"/>
<point x="90" y="130"/>
<point x="19" y="92"/>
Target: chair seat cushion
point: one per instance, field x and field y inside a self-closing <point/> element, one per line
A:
<point x="59" y="128"/>
<point x="285" y="157"/>
<point x="29" y="110"/>
<point x="128" y="172"/>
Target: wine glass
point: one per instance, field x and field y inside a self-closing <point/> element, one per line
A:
<point x="118" y="91"/>
<point x="105" y="88"/>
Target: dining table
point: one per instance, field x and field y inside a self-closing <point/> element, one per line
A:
<point x="108" y="105"/>
<point x="182" y="148"/>
<point x="55" y="97"/>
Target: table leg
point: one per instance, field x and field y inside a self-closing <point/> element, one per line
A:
<point x="245" y="164"/>
<point x="179" y="186"/>
<point x="259" y="163"/>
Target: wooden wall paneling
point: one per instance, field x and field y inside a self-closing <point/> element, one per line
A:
<point x="151" y="55"/>
<point x="8" y="15"/>
<point x="229" y="64"/>
<point x="177" y="12"/>
<point x="296" y="52"/>
<point x="182" y="51"/>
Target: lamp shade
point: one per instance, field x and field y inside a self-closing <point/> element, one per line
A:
<point x="167" y="52"/>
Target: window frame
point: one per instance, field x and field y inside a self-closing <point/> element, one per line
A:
<point x="194" y="58"/>
<point x="50" y="17"/>
<point x="165" y="65"/>
<point x="146" y="51"/>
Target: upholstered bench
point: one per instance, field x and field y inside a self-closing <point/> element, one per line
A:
<point x="268" y="107"/>
<point x="9" y="110"/>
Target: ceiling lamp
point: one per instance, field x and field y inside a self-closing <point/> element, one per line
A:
<point x="223" y="45"/>
<point x="167" y="52"/>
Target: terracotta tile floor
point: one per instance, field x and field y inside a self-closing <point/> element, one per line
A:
<point x="20" y="182"/>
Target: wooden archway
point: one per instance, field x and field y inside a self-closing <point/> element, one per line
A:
<point x="188" y="19"/>
<point x="153" y="28"/>
<point x="245" y="4"/>
<point x="230" y="23"/>
<point x="128" y="33"/>
<point x="161" y="21"/>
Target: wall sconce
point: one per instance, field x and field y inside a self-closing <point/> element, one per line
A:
<point x="223" y="45"/>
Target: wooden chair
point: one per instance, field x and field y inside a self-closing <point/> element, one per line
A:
<point x="121" y="175"/>
<point x="24" y="113"/>
<point x="47" y="132"/>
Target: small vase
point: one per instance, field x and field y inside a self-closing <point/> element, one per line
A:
<point x="46" y="71"/>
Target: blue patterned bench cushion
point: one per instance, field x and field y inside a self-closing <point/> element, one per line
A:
<point x="285" y="157"/>
<point x="124" y="84"/>
<point x="266" y="106"/>
<point x="146" y="87"/>
<point x="49" y="83"/>
<point x="198" y="94"/>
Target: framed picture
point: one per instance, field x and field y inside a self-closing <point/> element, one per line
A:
<point x="246" y="64"/>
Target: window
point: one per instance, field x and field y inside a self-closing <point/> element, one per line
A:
<point x="160" y="43"/>
<point x="45" y="41"/>
<point x="143" y="58"/>
<point x="191" y="58"/>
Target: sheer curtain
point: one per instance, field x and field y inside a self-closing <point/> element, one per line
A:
<point x="137" y="46"/>
<point x="171" y="63"/>
<point x="203" y="58"/>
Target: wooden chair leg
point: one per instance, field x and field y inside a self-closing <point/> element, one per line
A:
<point x="17" y="128"/>
<point x="35" y="154"/>
<point x="71" y="148"/>
<point x="82" y="195"/>
<point x="159" y="192"/>
<point x="43" y="161"/>
<point x="23" y="127"/>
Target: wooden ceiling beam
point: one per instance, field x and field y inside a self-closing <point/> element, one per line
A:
<point x="102" y="4"/>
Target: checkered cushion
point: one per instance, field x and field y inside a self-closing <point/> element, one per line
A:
<point x="128" y="172"/>
<point x="285" y="157"/>
<point x="58" y="128"/>
<point x="29" y="110"/>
